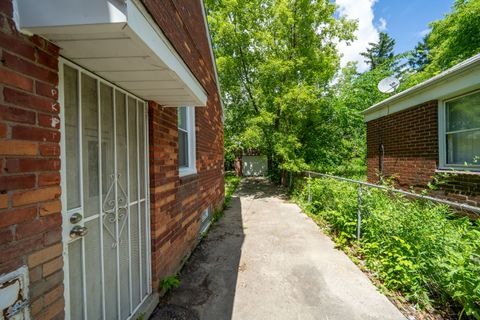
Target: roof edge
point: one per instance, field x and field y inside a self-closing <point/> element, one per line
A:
<point x="453" y="71"/>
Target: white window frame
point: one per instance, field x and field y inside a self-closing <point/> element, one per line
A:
<point x="191" y="168"/>
<point x="442" y="132"/>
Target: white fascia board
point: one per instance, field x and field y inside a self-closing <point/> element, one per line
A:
<point x="34" y="13"/>
<point x="147" y="31"/>
<point x="462" y="78"/>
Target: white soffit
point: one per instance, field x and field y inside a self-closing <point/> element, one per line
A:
<point x="459" y="79"/>
<point x="119" y="41"/>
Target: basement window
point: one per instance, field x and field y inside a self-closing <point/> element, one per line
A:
<point x="205" y="220"/>
<point x="459" y="123"/>
<point x="186" y="141"/>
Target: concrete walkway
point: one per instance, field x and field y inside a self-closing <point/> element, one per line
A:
<point x="267" y="260"/>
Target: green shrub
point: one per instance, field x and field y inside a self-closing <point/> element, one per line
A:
<point x="231" y="184"/>
<point x="416" y="247"/>
<point x="169" y="283"/>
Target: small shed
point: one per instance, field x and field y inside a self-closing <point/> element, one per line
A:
<point x="254" y="166"/>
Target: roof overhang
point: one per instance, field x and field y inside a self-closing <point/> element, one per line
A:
<point x="119" y="41"/>
<point x="459" y="79"/>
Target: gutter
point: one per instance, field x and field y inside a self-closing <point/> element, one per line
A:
<point x="453" y="71"/>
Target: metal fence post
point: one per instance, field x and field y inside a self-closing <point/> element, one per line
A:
<point x="308" y="187"/>
<point x="359" y="211"/>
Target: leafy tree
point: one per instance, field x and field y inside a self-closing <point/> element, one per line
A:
<point x="451" y="40"/>
<point x="456" y="37"/>
<point x="353" y="93"/>
<point x="419" y="58"/>
<point x="282" y="90"/>
<point x="379" y="52"/>
<point x="276" y="59"/>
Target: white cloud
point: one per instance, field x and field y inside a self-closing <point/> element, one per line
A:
<point x="383" y="24"/>
<point x="362" y="11"/>
<point x="423" y="33"/>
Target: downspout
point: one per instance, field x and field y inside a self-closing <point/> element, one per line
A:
<point x="381" y="155"/>
<point x="381" y="147"/>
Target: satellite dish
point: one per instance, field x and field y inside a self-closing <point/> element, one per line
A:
<point x="388" y="85"/>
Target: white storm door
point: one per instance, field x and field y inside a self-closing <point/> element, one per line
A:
<point x="105" y="197"/>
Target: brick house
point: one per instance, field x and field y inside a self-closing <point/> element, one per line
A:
<point x="111" y="152"/>
<point x="430" y="133"/>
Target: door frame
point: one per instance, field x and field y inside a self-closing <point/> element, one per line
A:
<point x="66" y="226"/>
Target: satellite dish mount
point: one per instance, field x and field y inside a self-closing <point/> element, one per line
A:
<point x="388" y="85"/>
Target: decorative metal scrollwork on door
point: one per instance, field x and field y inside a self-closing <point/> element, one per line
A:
<point x="115" y="212"/>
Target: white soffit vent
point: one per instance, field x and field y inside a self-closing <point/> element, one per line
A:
<point x="119" y="41"/>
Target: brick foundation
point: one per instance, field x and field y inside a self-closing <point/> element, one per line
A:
<point x="459" y="186"/>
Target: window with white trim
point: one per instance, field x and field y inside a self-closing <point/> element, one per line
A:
<point x="186" y="140"/>
<point x="460" y="132"/>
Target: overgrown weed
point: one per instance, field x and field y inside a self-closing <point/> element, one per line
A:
<point x="415" y="247"/>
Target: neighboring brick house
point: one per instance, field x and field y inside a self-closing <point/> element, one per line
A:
<point x="111" y="152"/>
<point x="430" y="134"/>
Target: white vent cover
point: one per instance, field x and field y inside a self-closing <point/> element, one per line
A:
<point x="14" y="295"/>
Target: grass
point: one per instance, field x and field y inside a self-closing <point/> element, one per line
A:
<point x="356" y="169"/>
<point x="231" y="184"/>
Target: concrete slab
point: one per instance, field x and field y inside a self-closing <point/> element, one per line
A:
<point x="265" y="259"/>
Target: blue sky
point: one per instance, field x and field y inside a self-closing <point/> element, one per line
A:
<point x="407" y="20"/>
<point x="404" y="20"/>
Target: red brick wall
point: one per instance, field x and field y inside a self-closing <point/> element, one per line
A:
<point x="410" y="140"/>
<point x="30" y="209"/>
<point x="459" y="186"/>
<point x="177" y="202"/>
<point x="183" y="24"/>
